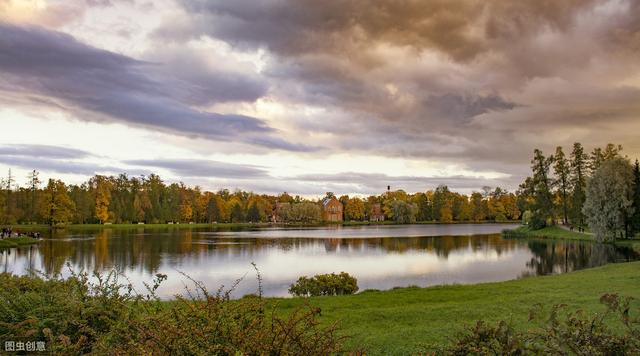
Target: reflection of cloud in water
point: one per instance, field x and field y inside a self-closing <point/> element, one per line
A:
<point x="379" y="263"/>
<point x="367" y="231"/>
<point x="218" y="243"/>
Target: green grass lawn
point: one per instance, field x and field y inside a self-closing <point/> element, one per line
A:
<point x="549" y="232"/>
<point x="10" y="242"/>
<point x="401" y="321"/>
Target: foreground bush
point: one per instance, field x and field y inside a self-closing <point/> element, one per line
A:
<point x="324" y="284"/>
<point x="77" y="316"/>
<point x="561" y="333"/>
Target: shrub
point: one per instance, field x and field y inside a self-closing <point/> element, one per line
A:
<point x="562" y="333"/>
<point x="77" y="316"/>
<point x="324" y="284"/>
<point x="537" y="222"/>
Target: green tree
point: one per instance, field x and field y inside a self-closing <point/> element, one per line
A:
<point x="478" y="207"/>
<point x="543" y="200"/>
<point x="403" y="212"/>
<point x="562" y="171"/>
<point x="253" y="213"/>
<point x="635" y="218"/>
<point x="213" y="209"/>
<point x="57" y="207"/>
<point x="578" y="179"/>
<point x="303" y="212"/>
<point x="34" y="184"/>
<point x="237" y="215"/>
<point x="609" y="202"/>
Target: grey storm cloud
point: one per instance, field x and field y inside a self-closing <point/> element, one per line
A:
<point x="88" y="80"/>
<point x="371" y="183"/>
<point x="65" y="166"/>
<point x="203" y="168"/>
<point x="42" y="151"/>
<point x="537" y="72"/>
<point x="466" y="106"/>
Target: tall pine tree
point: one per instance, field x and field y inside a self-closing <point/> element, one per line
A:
<point x="635" y="218"/>
<point x="561" y="168"/>
<point x="579" y="168"/>
<point x="543" y="200"/>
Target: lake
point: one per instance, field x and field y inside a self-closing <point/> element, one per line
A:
<point x="380" y="257"/>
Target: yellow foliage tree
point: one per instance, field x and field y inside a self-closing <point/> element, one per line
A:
<point x="101" y="187"/>
<point x="56" y="205"/>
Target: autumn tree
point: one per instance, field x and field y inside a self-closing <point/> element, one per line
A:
<point x="102" y="195"/>
<point x="443" y="204"/>
<point x="355" y="209"/>
<point x="609" y="201"/>
<point x="57" y="207"/>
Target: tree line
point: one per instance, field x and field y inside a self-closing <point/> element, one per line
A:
<point x="599" y="190"/>
<point x="148" y="199"/>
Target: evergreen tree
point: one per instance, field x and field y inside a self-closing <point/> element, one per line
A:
<point x="253" y="213"/>
<point x="635" y="218"/>
<point x="213" y="210"/>
<point x="578" y="183"/>
<point x="543" y="200"/>
<point x="237" y="215"/>
<point x="561" y="169"/>
<point x="34" y="184"/>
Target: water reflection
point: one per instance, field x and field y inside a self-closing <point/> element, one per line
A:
<point x="216" y="258"/>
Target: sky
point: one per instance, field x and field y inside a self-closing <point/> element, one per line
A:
<point x="309" y="96"/>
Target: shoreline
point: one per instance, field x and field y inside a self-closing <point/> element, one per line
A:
<point x="238" y="225"/>
<point x="399" y="321"/>
<point x="13" y="242"/>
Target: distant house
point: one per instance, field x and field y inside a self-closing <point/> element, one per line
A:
<point x="376" y="212"/>
<point x="331" y="209"/>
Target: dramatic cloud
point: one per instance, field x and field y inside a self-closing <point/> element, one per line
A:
<point x="465" y="76"/>
<point x="449" y="91"/>
<point x="203" y="168"/>
<point x="42" y="151"/>
<point x="55" y="66"/>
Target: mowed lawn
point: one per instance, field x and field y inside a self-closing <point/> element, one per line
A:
<point x="403" y="321"/>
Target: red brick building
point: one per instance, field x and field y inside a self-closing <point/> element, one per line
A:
<point x="331" y="209"/>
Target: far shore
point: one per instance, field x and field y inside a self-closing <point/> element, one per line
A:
<point x="237" y="225"/>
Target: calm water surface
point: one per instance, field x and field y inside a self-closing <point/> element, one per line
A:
<point x="380" y="257"/>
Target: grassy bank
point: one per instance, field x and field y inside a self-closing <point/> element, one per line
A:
<point x="549" y="232"/>
<point x="401" y="321"/>
<point x="396" y="322"/>
<point x="17" y="241"/>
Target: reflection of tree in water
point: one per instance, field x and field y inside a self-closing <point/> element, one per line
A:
<point x="25" y="253"/>
<point x="565" y="256"/>
<point x="147" y="250"/>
